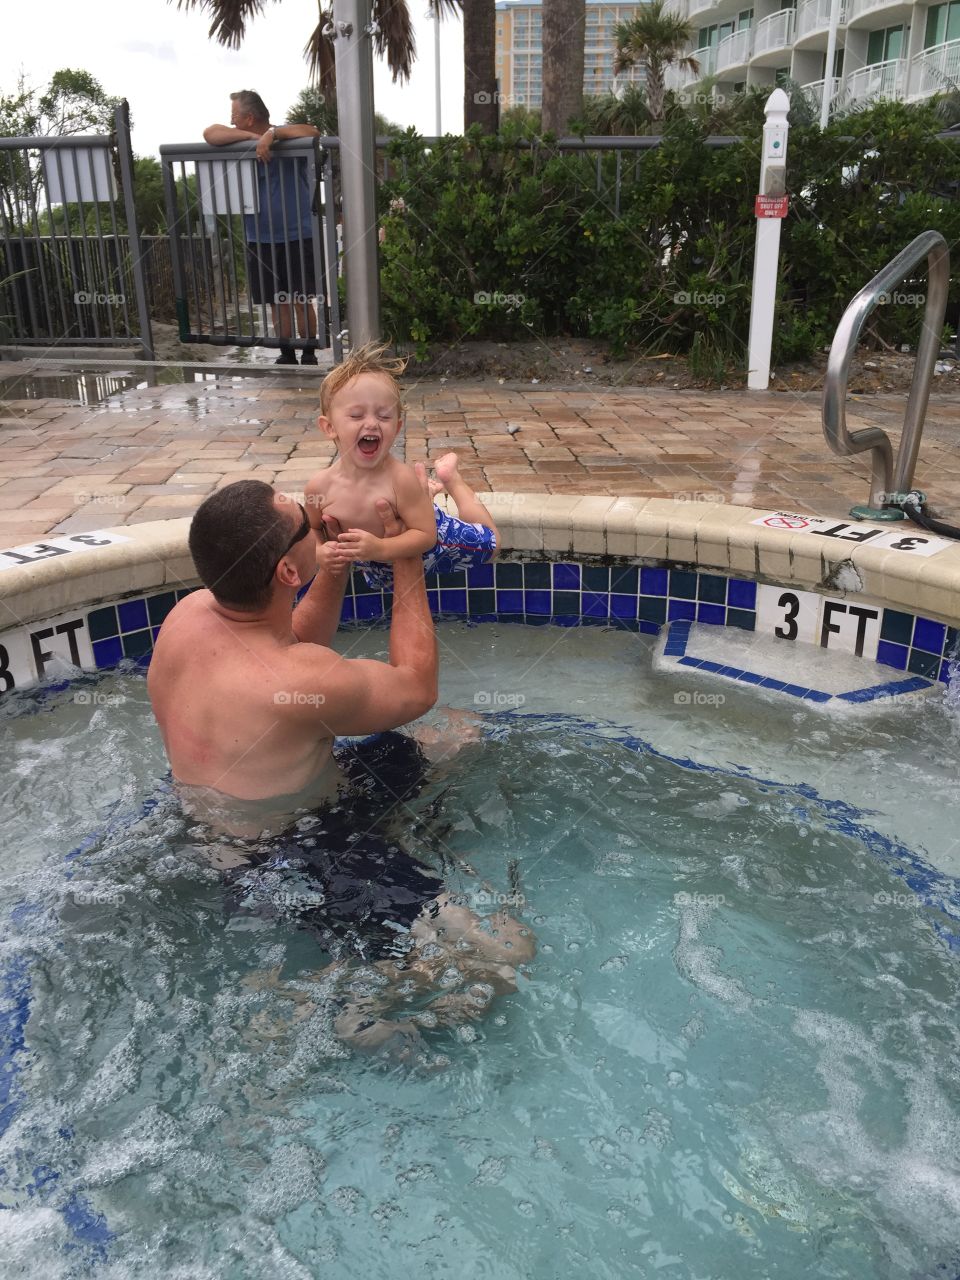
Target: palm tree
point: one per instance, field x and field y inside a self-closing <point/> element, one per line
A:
<point x="564" y="31"/>
<point x="654" y="40"/>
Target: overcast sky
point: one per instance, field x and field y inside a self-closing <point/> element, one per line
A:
<point x="178" y="81"/>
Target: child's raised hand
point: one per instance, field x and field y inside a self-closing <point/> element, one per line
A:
<point x="358" y="544"/>
<point x="332" y="557"/>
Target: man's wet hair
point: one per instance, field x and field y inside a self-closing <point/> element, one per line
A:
<point x="371" y="358"/>
<point x="237" y="536"/>
<point x="251" y="103"/>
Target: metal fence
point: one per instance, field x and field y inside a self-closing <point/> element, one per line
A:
<point x="70" y="257"/>
<point x="253" y="246"/>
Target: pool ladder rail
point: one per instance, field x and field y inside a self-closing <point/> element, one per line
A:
<point x="890" y="483"/>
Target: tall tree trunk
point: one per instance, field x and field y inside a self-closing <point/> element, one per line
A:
<point x="480" y="104"/>
<point x="564" y="31"/>
<point x="656" y="88"/>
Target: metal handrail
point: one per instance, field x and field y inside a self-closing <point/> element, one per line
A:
<point x="885" y="480"/>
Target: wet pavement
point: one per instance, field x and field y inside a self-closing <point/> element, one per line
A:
<point x="126" y="452"/>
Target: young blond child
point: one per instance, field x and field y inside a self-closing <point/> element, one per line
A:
<point x="360" y="410"/>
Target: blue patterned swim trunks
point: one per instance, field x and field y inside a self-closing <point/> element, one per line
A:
<point x="459" y="546"/>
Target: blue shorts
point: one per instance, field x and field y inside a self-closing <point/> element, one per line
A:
<point x="459" y="546"/>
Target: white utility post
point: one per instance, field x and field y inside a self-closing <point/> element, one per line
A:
<point x="827" y="96"/>
<point x="436" y="60"/>
<point x="770" y="209"/>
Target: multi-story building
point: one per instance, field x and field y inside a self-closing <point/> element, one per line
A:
<point x="519" y="51"/>
<point x="884" y="49"/>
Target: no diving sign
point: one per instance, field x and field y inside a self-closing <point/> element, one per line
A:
<point x="914" y="542"/>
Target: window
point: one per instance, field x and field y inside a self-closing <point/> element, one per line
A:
<point x="781" y="76"/>
<point x="884" y="46"/>
<point x="943" y="24"/>
<point x="739" y="86"/>
<point x="744" y="19"/>
<point x="726" y="29"/>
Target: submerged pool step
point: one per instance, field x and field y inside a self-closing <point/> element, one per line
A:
<point x="784" y="668"/>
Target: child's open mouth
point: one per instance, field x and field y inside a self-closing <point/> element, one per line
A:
<point x="368" y="445"/>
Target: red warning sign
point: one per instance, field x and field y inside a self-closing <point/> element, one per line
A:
<point x="770" y="206"/>
<point x="787" y="522"/>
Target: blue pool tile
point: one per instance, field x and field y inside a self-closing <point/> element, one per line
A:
<point x="509" y="575"/>
<point x="159" y="606"/>
<point x="929" y="636"/>
<point x="360" y="585"/>
<point x="482" y="602"/>
<point x="137" y="643"/>
<point x="566" y="577"/>
<point x="452" y="601"/>
<point x="691" y="662"/>
<point x="431" y="581"/>
<point x="537" y="602"/>
<point x="768" y="683"/>
<point x="537" y="576"/>
<point x="102" y="623"/>
<point x="433" y="600"/>
<point x="595" y="605"/>
<point x="717" y="668"/>
<point x="596" y="579"/>
<point x="186" y="591"/>
<point x="741" y="594"/>
<point x="565" y="620"/>
<point x="653" y="582"/>
<point x="348" y="610"/>
<point x="107" y="653"/>
<point x="624" y="581"/>
<point x="795" y="690"/>
<point x="648" y="628"/>
<point x="714" y="614"/>
<point x="944" y="676"/>
<point x="817" y="695"/>
<point x="623" y="606"/>
<point x="950" y="645"/>
<point x="480" y="575"/>
<point x="712" y="588"/>
<point x="924" y="664"/>
<point x="745" y="619"/>
<point x="369" y="606"/>
<point x="750" y="677"/>
<point x="677" y="609"/>
<point x="896" y="627"/>
<point x="683" y="584"/>
<point x="893" y="655"/>
<point x="653" y="609"/>
<point x="132" y="615"/>
<point x="732" y="673"/>
<point x="456" y="579"/>
<point x="509" y="601"/>
<point x="566" y="604"/>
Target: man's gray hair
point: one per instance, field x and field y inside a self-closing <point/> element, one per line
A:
<point x="251" y="103"/>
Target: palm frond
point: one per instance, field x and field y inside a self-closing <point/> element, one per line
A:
<point x="446" y="8"/>
<point x="394" y="36"/>
<point x="230" y="18"/>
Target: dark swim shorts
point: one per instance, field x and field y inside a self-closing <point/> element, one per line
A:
<point x="335" y="872"/>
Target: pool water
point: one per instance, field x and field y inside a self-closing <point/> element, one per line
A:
<point x="735" y="1054"/>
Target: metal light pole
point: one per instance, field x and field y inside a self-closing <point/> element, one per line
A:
<point x="771" y="209"/>
<point x="351" y="32"/>
<point x="436" y="60"/>
<point x="827" y="95"/>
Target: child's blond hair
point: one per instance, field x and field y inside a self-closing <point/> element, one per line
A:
<point x="370" y="358"/>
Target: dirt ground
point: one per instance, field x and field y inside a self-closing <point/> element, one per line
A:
<point x="576" y="361"/>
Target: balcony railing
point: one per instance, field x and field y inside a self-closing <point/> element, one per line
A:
<point x="814" y="90"/>
<point x="734" y="50"/>
<point x="775" y="32"/>
<point x="708" y="64"/>
<point x="698" y="6"/>
<point x="857" y="8"/>
<point x="814" y="15"/>
<point x="881" y="80"/>
<point x="936" y="69"/>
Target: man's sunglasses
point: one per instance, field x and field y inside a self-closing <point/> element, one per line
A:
<point x="301" y="533"/>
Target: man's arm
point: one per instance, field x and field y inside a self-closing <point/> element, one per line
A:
<point x="220" y="135"/>
<point x="317" y="616"/>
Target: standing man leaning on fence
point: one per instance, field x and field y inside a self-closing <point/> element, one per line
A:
<point x="280" y="266"/>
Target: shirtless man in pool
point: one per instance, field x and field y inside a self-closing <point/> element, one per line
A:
<point x="249" y="696"/>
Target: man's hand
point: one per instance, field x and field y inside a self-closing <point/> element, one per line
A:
<point x="264" y="143"/>
<point x="332" y="557"/>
